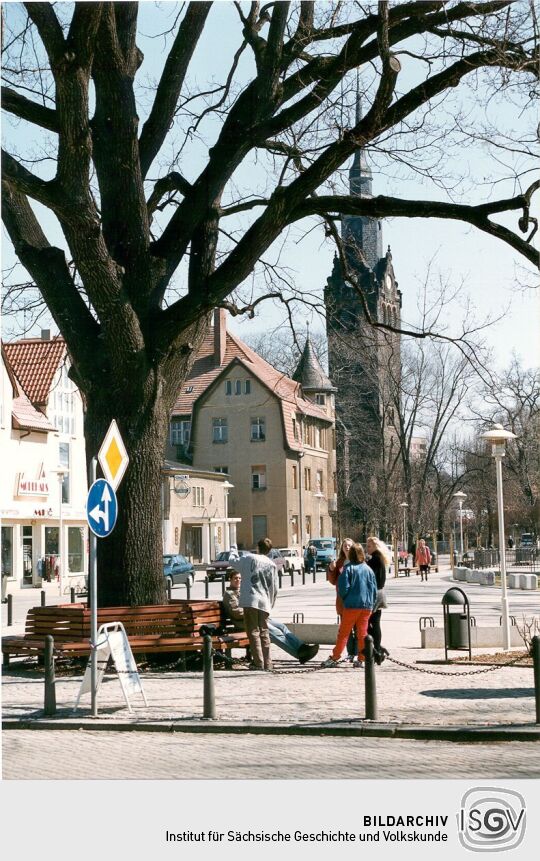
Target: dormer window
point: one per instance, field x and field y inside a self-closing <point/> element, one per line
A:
<point x="320" y="399"/>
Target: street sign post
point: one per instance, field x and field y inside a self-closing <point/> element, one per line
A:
<point x="101" y="508"/>
<point x="101" y="512"/>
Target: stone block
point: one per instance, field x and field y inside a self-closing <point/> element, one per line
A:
<point x="460" y="573"/>
<point x="473" y="577"/>
<point x="528" y="581"/>
<point x="481" y="637"/>
<point x="512" y="581"/>
<point x="487" y="578"/>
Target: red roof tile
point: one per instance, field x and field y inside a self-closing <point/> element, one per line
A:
<point x="35" y="363"/>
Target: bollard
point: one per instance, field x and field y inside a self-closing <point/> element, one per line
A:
<point x="188" y="588"/>
<point x="223" y="584"/>
<point x="72" y="594"/>
<point x="292" y="576"/>
<point x="50" y="683"/>
<point x="280" y="578"/>
<point x="371" y="689"/>
<point x="303" y="576"/>
<point x="206" y="586"/>
<point x="536" y="664"/>
<point x="315" y="574"/>
<point x="168" y="586"/>
<point x="209" y="706"/>
<point x="9" y="610"/>
<point x="43" y="597"/>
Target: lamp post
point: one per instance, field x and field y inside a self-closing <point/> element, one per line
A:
<point x="498" y="437"/>
<point x="318" y="496"/>
<point x="61" y="473"/>
<point x="404" y="506"/>
<point x="461" y="497"/>
<point x="300" y="502"/>
<point x="226" y="487"/>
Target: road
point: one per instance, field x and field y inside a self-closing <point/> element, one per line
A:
<point x="83" y="755"/>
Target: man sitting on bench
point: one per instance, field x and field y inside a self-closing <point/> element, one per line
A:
<point x="279" y="633"/>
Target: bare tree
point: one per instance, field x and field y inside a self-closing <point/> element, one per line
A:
<point x="135" y="224"/>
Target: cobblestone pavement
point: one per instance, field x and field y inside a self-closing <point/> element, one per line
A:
<point x="502" y="696"/>
<point x="82" y="755"/>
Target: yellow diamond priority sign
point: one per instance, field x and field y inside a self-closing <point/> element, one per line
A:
<point x="113" y="457"/>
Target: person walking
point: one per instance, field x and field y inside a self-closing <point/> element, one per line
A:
<point x="423" y="559"/>
<point x="378" y="560"/>
<point x="332" y="575"/>
<point x="357" y="589"/>
<point x="258" y="592"/>
<point x="280" y="635"/>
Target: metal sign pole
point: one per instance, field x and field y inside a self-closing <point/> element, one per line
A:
<point x="93" y="605"/>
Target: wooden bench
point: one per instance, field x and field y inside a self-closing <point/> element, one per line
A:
<point x="151" y="629"/>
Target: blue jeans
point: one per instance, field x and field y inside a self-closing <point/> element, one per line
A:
<point x="282" y="637"/>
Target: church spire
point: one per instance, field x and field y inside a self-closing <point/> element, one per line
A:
<point x="360" y="175"/>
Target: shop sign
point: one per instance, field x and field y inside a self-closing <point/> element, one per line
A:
<point x="38" y="486"/>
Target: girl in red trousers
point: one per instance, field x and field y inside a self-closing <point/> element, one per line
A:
<point x="423" y="559"/>
<point x="357" y="589"/>
<point x="332" y="575"/>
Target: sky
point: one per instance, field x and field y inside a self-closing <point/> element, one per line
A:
<point x="491" y="272"/>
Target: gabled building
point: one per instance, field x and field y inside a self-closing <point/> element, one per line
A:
<point x="273" y="438"/>
<point x="41" y="432"/>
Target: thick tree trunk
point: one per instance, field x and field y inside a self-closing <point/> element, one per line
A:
<point x="130" y="565"/>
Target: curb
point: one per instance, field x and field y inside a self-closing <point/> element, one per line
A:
<point x="512" y="732"/>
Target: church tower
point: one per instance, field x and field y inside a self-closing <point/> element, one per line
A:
<point x="364" y="362"/>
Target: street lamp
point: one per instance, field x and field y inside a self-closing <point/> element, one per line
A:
<point x="498" y="437"/>
<point x="461" y="497"/>
<point x="318" y="496"/>
<point x="61" y="473"/>
<point x="404" y="506"/>
<point x="227" y="486"/>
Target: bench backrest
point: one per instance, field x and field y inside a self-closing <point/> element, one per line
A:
<point x="180" y="618"/>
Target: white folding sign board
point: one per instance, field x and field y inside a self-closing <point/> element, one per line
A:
<point x="113" y="643"/>
<point x="113" y="457"/>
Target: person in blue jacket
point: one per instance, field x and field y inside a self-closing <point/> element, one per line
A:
<point x="357" y="588"/>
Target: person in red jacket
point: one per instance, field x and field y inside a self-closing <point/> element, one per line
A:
<point x="423" y="559"/>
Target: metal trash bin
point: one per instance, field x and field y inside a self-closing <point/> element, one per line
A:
<point x="457" y="626"/>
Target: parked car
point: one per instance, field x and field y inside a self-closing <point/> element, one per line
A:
<point x="292" y="559"/>
<point x="326" y="551"/>
<point x="527" y="540"/>
<point x="177" y="569"/>
<point x="223" y="564"/>
<point x="275" y="556"/>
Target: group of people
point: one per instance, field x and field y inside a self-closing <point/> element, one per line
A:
<point x="359" y="583"/>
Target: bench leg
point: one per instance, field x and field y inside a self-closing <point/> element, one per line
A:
<point x="5" y="659"/>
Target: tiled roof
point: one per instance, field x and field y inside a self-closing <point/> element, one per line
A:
<point x="205" y="370"/>
<point x="35" y="363"/>
<point x="24" y="415"/>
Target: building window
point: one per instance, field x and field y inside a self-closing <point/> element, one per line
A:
<point x="295" y="477"/>
<point x="224" y="469"/>
<point x="247" y="387"/>
<point x="260" y="527"/>
<point x="198" y="496"/>
<point x="52" y="546"/>
<point x="220" y="432"/>
<point x="308" y="528"/>
<point x="62" y="403"/>
<point x="294" y="529"/>
<point x="307" y="478"/>
<point x="75" y="549"/>
<point x="258" y="478"/>
<point x="321" y="400"/>
<point x="238" y="387"/>
<point x="228" y="387"/>
<point x="294" y="429"/>
<point x="320" y="488"/>
<point x="180" y="432"/>
<point x="63" y="458"/>
<point x="258" y="429"/>
<point x="318" y="443"/>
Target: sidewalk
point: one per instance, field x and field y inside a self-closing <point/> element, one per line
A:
<point x="439" y="701"/>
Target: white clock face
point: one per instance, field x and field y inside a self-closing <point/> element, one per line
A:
<point x="388" y="283"/>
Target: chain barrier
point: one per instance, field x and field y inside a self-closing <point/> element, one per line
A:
<point x="490" y="669"/>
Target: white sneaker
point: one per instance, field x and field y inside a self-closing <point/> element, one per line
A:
<point x="330" y="662"/>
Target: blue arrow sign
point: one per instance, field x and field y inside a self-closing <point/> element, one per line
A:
<point x="101" y="508"/>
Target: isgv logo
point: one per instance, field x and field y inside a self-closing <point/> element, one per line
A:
<point x="491" y="819"/>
